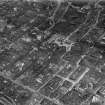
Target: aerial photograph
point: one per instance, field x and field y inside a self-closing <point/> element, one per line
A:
<point x="52" y="52"/>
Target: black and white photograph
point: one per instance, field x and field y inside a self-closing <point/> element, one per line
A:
<point x="52" y="52"/>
